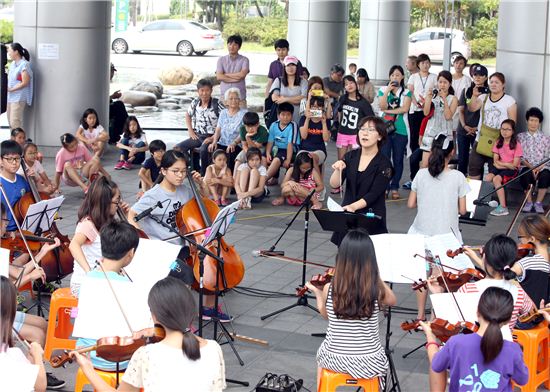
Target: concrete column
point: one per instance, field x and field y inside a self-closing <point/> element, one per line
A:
<point x="69" y="46"/>
<point x="383" y="36"/>
<point x="317" y="32"/>
<point x="523" y="55"/>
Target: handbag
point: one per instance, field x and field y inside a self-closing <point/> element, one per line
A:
<point x="270" y="108"/>
<point x="390" y="124"/>
<point x="487" y="136"/>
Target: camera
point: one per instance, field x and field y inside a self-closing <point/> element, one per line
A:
<point x="483" y="90"/>
<point x="316" y="113"/>
<point x="394" y="84"/>
<point x="435" y="92"/>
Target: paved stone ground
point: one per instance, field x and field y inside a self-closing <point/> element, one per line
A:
<point x="291" y="347"/>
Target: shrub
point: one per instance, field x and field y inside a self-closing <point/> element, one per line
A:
<point x="6" y="31"/>
<point x="353" y="37"/>
<point x="483" y="48"/>
<point x="264" y="31"/>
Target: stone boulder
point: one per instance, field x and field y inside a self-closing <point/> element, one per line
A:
<point x="139" y="98"/>
<point x="208" y="76"/>
<point x="150" y="87"/>
<point x="169" y="106"/>
<point x="145" y="109"/>
<point x="176" y="75"/>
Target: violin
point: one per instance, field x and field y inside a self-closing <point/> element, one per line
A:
<point x="194" y="217"/>
<point x="443" y="329"/>
<point x="453" y="253"/>
<point x="525" y="250"/>
<point x="452" y="280"/>
<point x="115" y="348"/>
<point x="59" y="262"/>
<point x="17" y="244"/>
<point x="319" y="281"/>
<point x="532" y="315"/>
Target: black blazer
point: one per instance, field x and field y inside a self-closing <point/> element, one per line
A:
<point x="370" y="185"/>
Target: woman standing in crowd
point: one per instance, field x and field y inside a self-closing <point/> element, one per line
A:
<point x="496" y="106"/>
<point x="315" y="83"/>
<point x="395" y="102"/>
<point x="536" y="148"/>
<point x="468" y="120"/>
<point x="290" y="88"/>
<point x="20" y="84"/>
<point x="367" y="173"/>
<point x="364" y="85"/>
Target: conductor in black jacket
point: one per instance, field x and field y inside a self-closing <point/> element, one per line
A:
<point x="367" y="174"/>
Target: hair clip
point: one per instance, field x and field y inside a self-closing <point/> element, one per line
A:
<point x="506" y="267"/>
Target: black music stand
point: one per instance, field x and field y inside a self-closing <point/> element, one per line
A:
<point x="479" y="218"/>
<point x="342" y="221"/>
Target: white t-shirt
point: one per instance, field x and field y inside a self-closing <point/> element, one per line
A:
<point x="437" y="123"/>
<point x="93" y="133"/>
<point x="439" y="194"/>
<point x="37" y="167"/>
<point x="261" y="169"/>
<point x="160" y="368"/>
<point x="421" y="85"/>
<point x="460" y="84"/>
<point x="494" y="113"/>
<point x="17" y="374"/>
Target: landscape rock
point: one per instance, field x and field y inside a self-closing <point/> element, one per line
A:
<point x="138" y="98"/>
<point x="150" y="87"/>
<point x="169" y="106"/>
<point x="208" y="76"/>
<point x="176" y="75"/>
<point x="145" y="109"/>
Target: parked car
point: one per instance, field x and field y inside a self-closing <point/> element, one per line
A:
<point x="431" y="41"/>
<point x="170" y="35"/>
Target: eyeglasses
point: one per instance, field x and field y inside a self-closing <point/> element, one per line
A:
<point x="116" y="202"/>
<point x="12" y="160"/>
<point x="370" y="129"/>
<point x="178" y="172"/>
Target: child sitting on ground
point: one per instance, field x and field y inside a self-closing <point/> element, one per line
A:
<point x="250" y="179"/>
<point x="299" y="181"/>
<point x="91" y="133"/>
<point x="35" y="169"/>
<point x="75" y="165"/>
<point x="132" y="145"/>
<point x="252" y="134"/>
<point x="18" y="135"/>
<point x="218" y="178"/>
<point x="150" y="169"/>
<point x="283" y="136"/>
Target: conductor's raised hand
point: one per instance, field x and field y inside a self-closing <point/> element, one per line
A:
<point x="339" y="165"/>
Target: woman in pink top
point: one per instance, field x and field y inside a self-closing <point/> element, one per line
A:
<point x="75" y="165"/>
<point x="506" y="159"/>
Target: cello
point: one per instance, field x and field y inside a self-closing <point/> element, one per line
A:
<point x="58" y="263"/>
<point x="194" y="217"/>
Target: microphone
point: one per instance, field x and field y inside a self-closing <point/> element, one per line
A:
<point x="492" y="203"/>
<point x="147" y="212"/>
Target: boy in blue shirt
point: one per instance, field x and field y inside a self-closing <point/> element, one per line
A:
<point x="283" y="137"/>
<point x="14" y="185"/>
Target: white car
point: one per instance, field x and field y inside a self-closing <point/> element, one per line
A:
<point x="431" y="41"/>
<point x="169" y="35"/>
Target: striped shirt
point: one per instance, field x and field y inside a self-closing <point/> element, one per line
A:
<point x="352" y="346"/>
<point x="522" y="302"/>
<point x="205" y="119"/>
<point x="15" y="77"/>
<point x="535" y="277"/>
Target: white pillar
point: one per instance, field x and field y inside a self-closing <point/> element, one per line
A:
<point x="523" y="55"/>
<point x="317" y="32"/>
<point x="73" y="74"/>
<point x="383" y="36"/>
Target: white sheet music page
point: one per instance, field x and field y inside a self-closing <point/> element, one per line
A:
<point x="395" y="257"/>
<point x="446" y="308"/>
<point x="99" y="315"/>
<point x="332" y="205"/>
<point x="4" y="262"/>
<point x="440" y="244"/>
<point x="475" y="188"/>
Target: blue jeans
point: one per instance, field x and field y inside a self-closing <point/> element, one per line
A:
<point x="394" y="148"/>
<point x="139" y="157"/>
<point x="464" y="142"/>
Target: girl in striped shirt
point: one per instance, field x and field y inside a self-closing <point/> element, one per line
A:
<point x="351" y="304"/>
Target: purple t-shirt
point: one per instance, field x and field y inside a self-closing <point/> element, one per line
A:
<point x="462" y="354"/>
<point x="276" y="69"/>
<point x="226" y="65"/>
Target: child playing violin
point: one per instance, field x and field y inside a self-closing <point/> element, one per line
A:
<point x="181" y="361"/>
<point x="98" y="209"/>
<point x="482" y="360"/>
<point x="173" y="193"/>
<point x="119" y="241"/>
<point x="351" y="304"/>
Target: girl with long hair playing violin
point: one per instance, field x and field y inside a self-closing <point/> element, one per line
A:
<point x="99" y="208"/>
<point x="17" y="369"/>
<point x="351" y="304"/>
<point x="170" y="194"/>
<point x="481" y="360"/>
<point x="181" y="361"/>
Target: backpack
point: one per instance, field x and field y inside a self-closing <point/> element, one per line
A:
<point x="215" y="104"/>
<point x="270" y="108"/>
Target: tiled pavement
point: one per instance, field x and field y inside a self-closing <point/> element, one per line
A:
<point x="291" y="347"/>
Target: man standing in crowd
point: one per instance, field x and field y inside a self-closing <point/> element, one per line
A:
<point x="232" y="69"/>
<point x="334" y="87"/>
<point x="276" y="67"/>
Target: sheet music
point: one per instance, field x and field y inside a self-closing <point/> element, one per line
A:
<point x="151" y="262"/>
<point x="99" y="315"/>
<point x="224" y="218"/>
<point x="5" y="262"/>
<point x="440" y="244"/>
<point x="395" y="257"/>
<point x="332" y="205"/>
<point x="475" y="188"/>
<point x="32" y="218"/>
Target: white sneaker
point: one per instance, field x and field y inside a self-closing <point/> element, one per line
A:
<point x="500" y="211"/>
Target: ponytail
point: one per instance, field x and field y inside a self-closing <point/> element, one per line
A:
<point x="441" y="149"/>
<point x="495" y="307"/>
<point x="16" y="47"/>
<point x="500" y="253"/>
<point x="190" y="345"/>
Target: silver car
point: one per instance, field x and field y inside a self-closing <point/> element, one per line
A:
<point x="431" y="42"/>
<point x="169" y="35"/>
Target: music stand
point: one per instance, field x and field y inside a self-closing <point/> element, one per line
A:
<point x="481" y="213"/>
<point x="40" y="215"/>
<point x="342" y="221"/>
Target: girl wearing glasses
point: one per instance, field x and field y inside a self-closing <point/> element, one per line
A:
<point x="97" y="210"/>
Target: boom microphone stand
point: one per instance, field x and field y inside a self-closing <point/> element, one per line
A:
<point x="302" y="300"/>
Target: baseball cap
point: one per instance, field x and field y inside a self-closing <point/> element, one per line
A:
<point x="479" y="69"/>
<point x="290" y="60"/>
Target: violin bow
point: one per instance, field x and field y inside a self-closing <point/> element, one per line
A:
<point x="116" y="297"/>
<point x="19" y="229"/>
<point x="440" y="266"/>
<point x="265" y="253"/>
<point x="20" y="338"/>
<point x="430" y="260"/>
